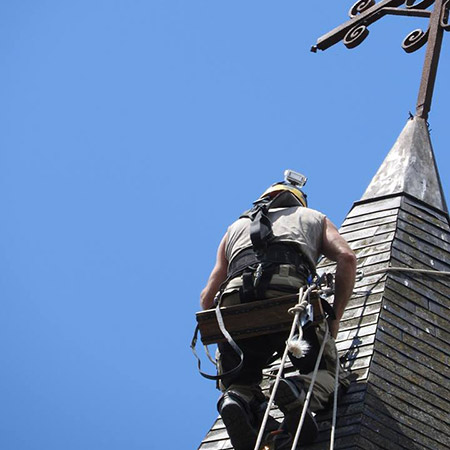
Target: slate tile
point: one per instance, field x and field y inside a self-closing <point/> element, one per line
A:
<point x="410" y="393"/>
<point x="420" y="210"/>
<point x="368" y="223"/>
<point x="411" y="372"/>
<point x="378" y="205"/>
<point x="436" y="231"/>
<point x="406" y="420"/>
<point x="429" y="234"/>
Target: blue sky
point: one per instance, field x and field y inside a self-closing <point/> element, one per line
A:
<point x="132" y="133"/>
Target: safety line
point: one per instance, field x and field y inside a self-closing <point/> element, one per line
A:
<point x="302" y="295"/>
<point x="311" y="386"/>
<point x="407" y="270"/>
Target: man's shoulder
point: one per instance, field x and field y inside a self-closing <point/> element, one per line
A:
<point x="299" y="210"/>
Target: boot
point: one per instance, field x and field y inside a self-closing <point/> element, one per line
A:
<point x="242" y="419"/>
<point x="237" y="417"/>
<point x="290" y="398"/>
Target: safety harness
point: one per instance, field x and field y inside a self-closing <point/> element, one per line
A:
<point x="258" y="263"/>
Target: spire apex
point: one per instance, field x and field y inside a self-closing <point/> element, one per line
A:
<point x="410" y="168"/>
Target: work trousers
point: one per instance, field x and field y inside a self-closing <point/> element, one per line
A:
<point x="259" y="351"/>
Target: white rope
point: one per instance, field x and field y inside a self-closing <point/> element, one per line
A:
<point x="302" y="296"/>
<point x="311" y="386"/>
<point x="335" y="401"/>
<point x="297" y="346"/>
<point x="407" y="270"/>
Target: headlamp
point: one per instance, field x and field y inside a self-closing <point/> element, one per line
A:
<point x="294" y="178"/>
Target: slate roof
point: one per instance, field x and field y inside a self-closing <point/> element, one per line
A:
<point x="394" y="335"/>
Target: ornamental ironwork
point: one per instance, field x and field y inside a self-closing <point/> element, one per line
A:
<point x="365" y="12"/>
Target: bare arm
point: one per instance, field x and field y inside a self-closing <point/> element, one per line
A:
<point x="217" y="277"/>
<point x="335" y="247"/>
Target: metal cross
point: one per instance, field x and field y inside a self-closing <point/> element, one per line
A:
<point x="365" y="12"/>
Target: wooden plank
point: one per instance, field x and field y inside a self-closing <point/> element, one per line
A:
<point x="250" y="319"/>
<point x="247" y="319"/>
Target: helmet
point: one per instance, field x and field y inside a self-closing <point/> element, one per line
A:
<point x="292" y="183"/>
<point x="284" y="187"/>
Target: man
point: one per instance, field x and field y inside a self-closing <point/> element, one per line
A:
<point x="269" y="252"/>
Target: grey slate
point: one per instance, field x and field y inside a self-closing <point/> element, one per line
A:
<point x="394" y="335"/>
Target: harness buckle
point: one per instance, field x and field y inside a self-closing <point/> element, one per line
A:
<point x="258" y="274"/>
<point x="307" y="316"/>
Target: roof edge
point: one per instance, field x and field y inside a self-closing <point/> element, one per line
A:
<point x="401" y="194"/>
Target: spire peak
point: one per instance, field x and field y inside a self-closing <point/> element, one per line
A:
<point x="410" y="168"/>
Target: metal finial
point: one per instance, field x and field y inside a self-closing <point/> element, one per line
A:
<point x="365" y="12"/>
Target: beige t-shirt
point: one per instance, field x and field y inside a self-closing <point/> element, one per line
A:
<point x="295" y="225"/>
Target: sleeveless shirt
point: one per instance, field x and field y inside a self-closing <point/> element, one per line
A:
<point x="300" y="226"/>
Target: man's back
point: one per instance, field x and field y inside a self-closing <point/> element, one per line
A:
<point x="300" y="226"/>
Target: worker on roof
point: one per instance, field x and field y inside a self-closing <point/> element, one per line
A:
<point x="270" y="251"/>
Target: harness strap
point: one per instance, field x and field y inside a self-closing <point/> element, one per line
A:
<point x="232" y="343"/>
<point x="261" y="229"/>
<point x="279" y="253"/>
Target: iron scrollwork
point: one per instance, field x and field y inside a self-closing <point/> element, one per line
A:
<point x="365" y="12"/>
<point x="424" y="4"/>
<point x="359" y="7"/>
<point x="415" y="40"/>
<point x="355" y="36"/>
<point x="445" y="16"/>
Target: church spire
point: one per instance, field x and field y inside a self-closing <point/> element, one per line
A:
<point x="410" y="168"/>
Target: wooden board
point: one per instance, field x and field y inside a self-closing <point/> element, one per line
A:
<point x="248" y="319"/>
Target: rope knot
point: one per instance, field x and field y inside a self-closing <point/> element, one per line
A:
<point x="298" y="308"/>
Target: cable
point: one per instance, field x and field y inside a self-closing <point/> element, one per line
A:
<point x="335" y="401"/>
<point x="311" y="386"/>
<point x="302" y="295"/>
<point x="407" y="270"/>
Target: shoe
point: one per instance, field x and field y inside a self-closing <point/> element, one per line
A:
<point x="238" y="421"/>
<point x="290" y="398"/>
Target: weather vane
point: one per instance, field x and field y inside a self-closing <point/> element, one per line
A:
<point x="365" y="12"/>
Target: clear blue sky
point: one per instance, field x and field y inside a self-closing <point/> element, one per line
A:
<point x="132" y="133"/>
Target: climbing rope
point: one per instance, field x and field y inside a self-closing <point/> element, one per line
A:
<point x="298" y="310"/>
<point x="311" y="386"/>
<point x="292" y="346"/>
<point x="406" y="270"/>
<point x="335" y="400"/>
<point x="302" y="295"/>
